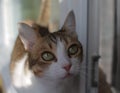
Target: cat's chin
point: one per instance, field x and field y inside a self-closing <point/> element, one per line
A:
<point x="68" y="75"/>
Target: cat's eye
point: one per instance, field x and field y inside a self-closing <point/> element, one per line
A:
<point x="47" y="56"/>
<point x="73" y="49"/>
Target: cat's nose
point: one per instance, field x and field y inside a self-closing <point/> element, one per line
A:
<point x="67" y="67"/>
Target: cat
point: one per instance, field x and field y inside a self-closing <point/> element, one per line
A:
<point x="44" y="62"/>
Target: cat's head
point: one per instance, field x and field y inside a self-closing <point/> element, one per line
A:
<point x="55" y="55"/>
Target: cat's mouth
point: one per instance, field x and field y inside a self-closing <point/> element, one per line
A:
<point x="67" y="75"/>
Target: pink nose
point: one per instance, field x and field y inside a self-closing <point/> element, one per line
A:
<point x="67" y="67"/>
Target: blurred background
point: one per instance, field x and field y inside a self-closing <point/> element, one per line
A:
<point x="12" y="12"/>
<point x="108" y="20"/>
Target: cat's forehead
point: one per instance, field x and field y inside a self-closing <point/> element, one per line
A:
<point x="63" y="35"/>
<point x="51" y="41"/>
<point x="60" y="36"/>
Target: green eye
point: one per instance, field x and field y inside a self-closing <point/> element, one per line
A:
<point x="47" y="56"/>
<point x="73" y="49"/>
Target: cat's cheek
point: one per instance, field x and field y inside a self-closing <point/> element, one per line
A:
<point x="75" y="69"/>
<point x="38" y="73"/>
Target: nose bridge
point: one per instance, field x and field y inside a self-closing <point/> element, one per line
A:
<point x="64" y="60"/>
<point x="61" y="54"/>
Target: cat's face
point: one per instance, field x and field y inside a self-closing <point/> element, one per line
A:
<point x="55" y="55"/>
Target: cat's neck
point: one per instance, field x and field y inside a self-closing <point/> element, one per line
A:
<point x="53" y="86"/>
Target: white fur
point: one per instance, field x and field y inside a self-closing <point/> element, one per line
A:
<point x="19" y="77"/>
<point x="53" y="80"/>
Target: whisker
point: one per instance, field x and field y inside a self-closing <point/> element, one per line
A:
<point x="83" y="74"/>
<point x="86" y="68"/>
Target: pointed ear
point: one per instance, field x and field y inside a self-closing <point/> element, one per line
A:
<point x="27" y="35"/>
<point x="69" y="24"/>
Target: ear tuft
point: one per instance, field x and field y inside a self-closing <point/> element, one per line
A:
<point x="27" y="35"/>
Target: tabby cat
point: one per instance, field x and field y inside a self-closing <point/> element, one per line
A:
<point x="44" y="62"/>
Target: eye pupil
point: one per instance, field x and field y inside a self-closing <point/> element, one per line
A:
<point x="72" y="50"/>
<point x="47" y="56"/>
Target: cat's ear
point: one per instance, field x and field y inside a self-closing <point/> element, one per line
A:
<point x="69" y="24"/>
<point x="27" y="35"/>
